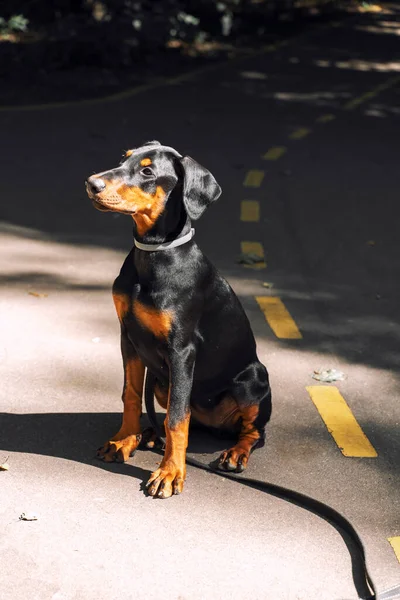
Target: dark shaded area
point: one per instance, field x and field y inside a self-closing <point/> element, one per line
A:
<point x="83" y="48"/>
<point x="78" y="435"/>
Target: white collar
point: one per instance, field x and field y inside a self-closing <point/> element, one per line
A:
<point x="166" y="245"/>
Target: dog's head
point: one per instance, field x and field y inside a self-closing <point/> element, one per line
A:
<point x="141" y="185"/>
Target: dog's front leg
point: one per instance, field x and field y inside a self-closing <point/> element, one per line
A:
<point x="125" y="442"/>
<point x="170" y="477"/>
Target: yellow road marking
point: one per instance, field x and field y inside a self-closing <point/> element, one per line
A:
<point x="340" y="421"/>
<point x="325" y="118"/>
<point x="257" y="249"/>
<point x="250" y="210"/>
<point x="380" y="88"/>
<point x="275" y="153"/>
<point x="300" y="133"/>
<point x="395" y="543"/>
<point x="278" y="318"/>
<point x="253" y="178"/>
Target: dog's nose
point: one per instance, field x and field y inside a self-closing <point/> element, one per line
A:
<point x="95" y="184"/>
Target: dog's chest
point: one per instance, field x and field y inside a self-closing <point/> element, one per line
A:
<point x="145" y="322"/>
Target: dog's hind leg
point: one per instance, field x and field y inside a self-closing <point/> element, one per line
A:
<point x="252" y="393"/>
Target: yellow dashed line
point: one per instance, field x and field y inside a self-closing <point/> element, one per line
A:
<point x="253" y="178"/>
<point x="250" y="211"/>
<point x="299" y="134"/>
<point x="325" y="118"/>
<point x="395" y="543"/>
<point x="257" y="249"/>
<point x="380" y="88"/>
<point x="340" y="421"/>
<point x="275" y="153"/>
<point x="278" y="318"/>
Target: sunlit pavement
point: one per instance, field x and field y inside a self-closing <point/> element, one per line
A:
<point x="328" y="225"/>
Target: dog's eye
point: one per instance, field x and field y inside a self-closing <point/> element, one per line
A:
<point x="147" y="172"/>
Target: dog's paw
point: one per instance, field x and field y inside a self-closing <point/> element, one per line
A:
<point x="235" y="459"/>
<point x="166" y="481"/>
<point x="119" y="450"/>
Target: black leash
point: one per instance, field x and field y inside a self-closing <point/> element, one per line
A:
<point x="362" y="580"/>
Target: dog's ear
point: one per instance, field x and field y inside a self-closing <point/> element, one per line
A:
<point x="199" y="188"/>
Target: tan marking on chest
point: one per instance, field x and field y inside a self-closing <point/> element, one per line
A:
<point x="121" y="302"/>
<point x="147" y="207"/>
<point x="145" y="162"/>
<point x="158" y="322"/>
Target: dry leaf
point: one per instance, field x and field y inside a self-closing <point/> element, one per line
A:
<point x="37" y="295"/>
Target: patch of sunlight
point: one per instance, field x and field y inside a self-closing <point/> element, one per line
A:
<point x="360" y="65"/>
<point x="373" y="112"/>
<point x="365" y="7"/>
<point x="389" y="23"/>
<point x="245" y="287"/>
<point x="35" y="261"/>
<point x="59" y="331"/>
<point x="374" y="29"/>
<point x="323" y="63"/>
<point x="253" y="75"/>
<point x="309" y="97"/>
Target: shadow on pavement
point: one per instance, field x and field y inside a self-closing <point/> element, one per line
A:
<point x="76" y="436"/>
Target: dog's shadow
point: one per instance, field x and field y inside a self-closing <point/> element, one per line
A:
<point x="76" y="437"/>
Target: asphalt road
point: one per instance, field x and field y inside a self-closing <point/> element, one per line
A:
<point x="328" y="226"/>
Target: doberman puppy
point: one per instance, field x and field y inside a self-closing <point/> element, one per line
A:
<point x="179" y="317"/>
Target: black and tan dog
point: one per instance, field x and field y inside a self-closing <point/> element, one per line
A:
<point x="179" y="317"/>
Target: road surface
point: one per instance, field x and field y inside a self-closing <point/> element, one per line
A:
<point x="307" y="132"/>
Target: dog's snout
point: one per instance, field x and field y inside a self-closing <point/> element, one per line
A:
<point x="95" y="184"/>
